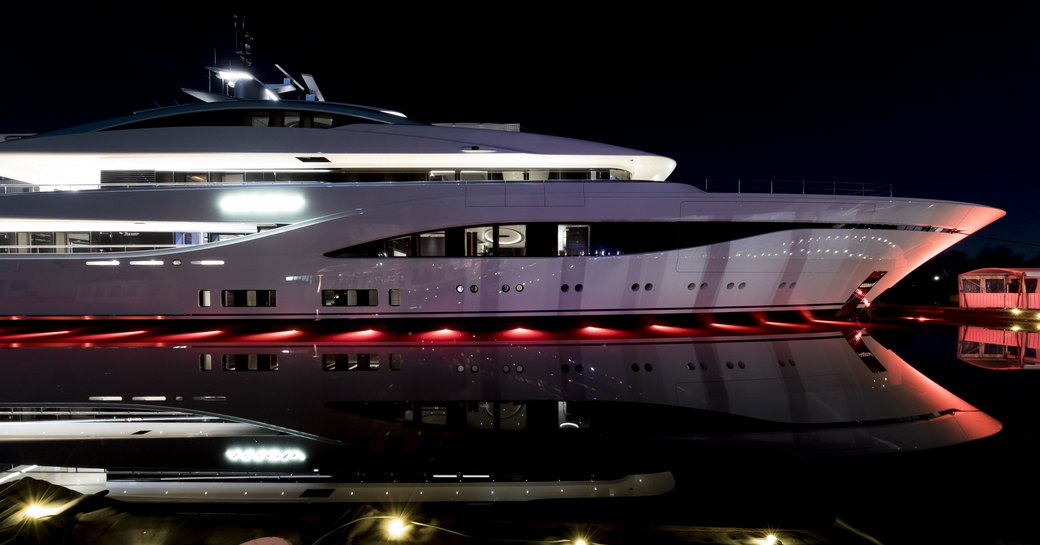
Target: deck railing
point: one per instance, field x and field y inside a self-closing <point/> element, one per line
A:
<point x="795" y="187"/>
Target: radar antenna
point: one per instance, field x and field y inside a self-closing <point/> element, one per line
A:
<point x="245" y="51"/>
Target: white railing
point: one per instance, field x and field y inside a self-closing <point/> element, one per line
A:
<point x="795" y="187"/>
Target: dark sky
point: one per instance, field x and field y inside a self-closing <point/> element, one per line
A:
<point x="938" y="99"/>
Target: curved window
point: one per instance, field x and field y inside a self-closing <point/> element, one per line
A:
<point x="313" y="169"/>
<point x="543" y="239"/>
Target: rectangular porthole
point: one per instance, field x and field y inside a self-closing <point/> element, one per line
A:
<point x="250" y="362"/>
<point x="395" y="297"/>
<point x="204" y="298"/>
<point x="350" y="298"/>
<point x="248" y="298"/>
<point x="205" y="362"/>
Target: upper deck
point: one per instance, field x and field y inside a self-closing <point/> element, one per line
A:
<point x="284" y="141"/>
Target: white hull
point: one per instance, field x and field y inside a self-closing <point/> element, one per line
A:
<point x="815" y="252"/>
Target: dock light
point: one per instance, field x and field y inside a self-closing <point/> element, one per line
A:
<point x="580" y="541"/>
<point x="1016" y="311"/>
<point x="396" y="528"/>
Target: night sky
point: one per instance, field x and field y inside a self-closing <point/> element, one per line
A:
<point x="937" y="99"/>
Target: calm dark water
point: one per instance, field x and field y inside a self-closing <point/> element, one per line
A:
<point x="962" y="494"/>
<point x="975" y="492"/>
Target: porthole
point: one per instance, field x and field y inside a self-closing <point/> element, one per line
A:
<point x="740" y="364"/>
<point x="781" y="362"/>
<point x="791" y="363"/>
<point x="648" y="367"/>
<point x="519" y="287"/>
<point x="176" y="262"/>
<point x="742" y="285"/>
<point x="782" y="285"/>
<point x="648" y="286"/>
<point x="704" y="366"/>
<point x="460" y="368"/>
<point x="729" y="286"/>
<point x="635" y="367"/>
<point x="635" y="287"/>
<point x="505" y="368"/>
<point x="473" y="368"/>
<point x="691" y="285"/>
<point x="473" y="288"/>
<point x="460" y="288"/>
<point x="565" y="368"/>
<point x="729" y="365"/>
<point x="704" y="285"/>
<point x="579" y="368"/>
<point x="505" y="288"/>
<point x="691" y="366"/>
<point x="565" y="288"/>
<point x="792" y="285"/>
<point x="519" y="368"/>
<point x="578" y="287"/>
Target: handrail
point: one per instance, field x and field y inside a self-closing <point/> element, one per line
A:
<point x="795" y="187"/>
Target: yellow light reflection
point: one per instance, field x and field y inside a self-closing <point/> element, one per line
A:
<point x="40" y="510"/>
<point x="396" y="528"/>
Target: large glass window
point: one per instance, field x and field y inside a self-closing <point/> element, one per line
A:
<point x="573" y="239"/>
<point x="512" y="240"/>
<point x="432" y="244"/>
<point x="480" y="241"/>
<point x="399" y="247"/>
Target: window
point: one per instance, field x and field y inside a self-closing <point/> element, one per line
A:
<point x="349" y="298"/>
<point x="432" y="244"/>
<point x="480" y="241"/>
<point x="250" y="362"/>
<point x="994" y="285"/>
<point x="573" y="239"/>
<point x="971" y="285"/>
<point x="512" y="240"/>
<point x="247" y="298"/>
<point x="399" y="247"/>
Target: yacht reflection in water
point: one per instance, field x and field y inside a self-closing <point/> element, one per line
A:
<point x="453" y="420"/>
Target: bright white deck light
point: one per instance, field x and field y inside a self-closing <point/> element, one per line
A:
<point x="233" y="75"/>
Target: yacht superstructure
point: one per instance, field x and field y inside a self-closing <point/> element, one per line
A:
<point x="307" y="209"/>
